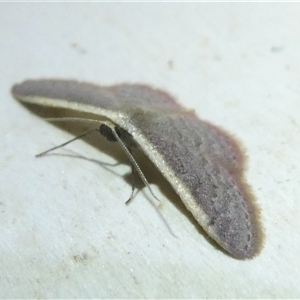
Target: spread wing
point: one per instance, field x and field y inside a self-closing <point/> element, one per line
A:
<point x="203" y="164"/>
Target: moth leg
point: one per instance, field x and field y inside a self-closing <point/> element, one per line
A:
<point x="133" y="186"/>
<point x="132" y="159"/>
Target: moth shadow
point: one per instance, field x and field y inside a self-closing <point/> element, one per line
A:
<point x="115" y="151"/>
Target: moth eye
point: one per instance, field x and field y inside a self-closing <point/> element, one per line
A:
<point x="107" y="132"/>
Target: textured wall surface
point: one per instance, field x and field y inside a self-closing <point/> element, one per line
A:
<point x="64" y="228"/>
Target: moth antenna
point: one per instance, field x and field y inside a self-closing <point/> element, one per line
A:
<point x="67" y="119"/>
<point x="68" y="142"/>
<point x="134" y="164"/>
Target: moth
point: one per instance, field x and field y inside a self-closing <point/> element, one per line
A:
<point x="203" y="163"/>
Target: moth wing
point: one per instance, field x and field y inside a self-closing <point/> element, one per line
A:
<point x="218" y="198"/>
<point x="202" y="163"/>
<point x="116" y="102"/>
